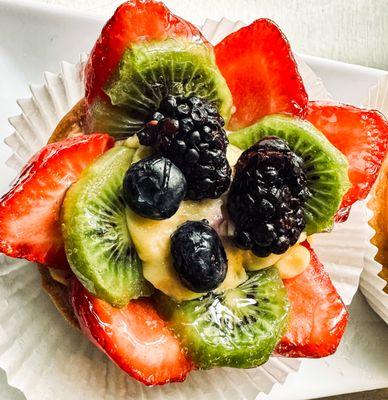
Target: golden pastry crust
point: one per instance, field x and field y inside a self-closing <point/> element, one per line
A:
<point x="379" y="205"/>
<point x="71" y="124"/>
<point x="59" y="295"/>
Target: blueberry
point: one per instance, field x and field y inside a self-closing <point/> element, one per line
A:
<point x="154" y="188"/>
<point x="199" y="257"/>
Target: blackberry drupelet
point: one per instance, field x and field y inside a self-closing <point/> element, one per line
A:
<point x="189" y="131"/>
<point x="267" y="196"/>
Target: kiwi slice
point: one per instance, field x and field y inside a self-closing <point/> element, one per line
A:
<point x="237" y="328"/>
<point x="102" y="116"/>
<point x="97" y="241"/>
<point x="326" y="167"/>
<point x="150" y="71"/>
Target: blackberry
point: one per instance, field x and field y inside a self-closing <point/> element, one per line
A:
<point x="267" y="196"/>
<point x="189" y="131"/>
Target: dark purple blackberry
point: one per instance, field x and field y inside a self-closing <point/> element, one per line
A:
<point x="189" y="131"/>
<point x="266" y="198"/>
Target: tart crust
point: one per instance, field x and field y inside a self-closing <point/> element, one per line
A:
<point x="379" y="205"/>
<point x="59" y="295"/>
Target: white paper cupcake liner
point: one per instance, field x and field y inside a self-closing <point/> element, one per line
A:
<point x="46" y="359"/>
<point x="371" y="284"/>
<point x="42" y="112"/>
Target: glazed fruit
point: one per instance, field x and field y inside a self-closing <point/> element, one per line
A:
<point x="326" y="167"/>
<point x="175" y="261"/>
<point x="237" y="328"/>
<point x="134" y="337"/>
<point x="199" y="256"/>
<point x="267" y="197"/>
<point x="189" y="131"/>
<point x="152" y="240"/>
<point x="133" y="22"/>
<point x="97" y="242"/>
<point x="318" y="316"/>
<point x="29" y="212"/>
<point x="261" y="73"/>
<point x="154" y="187"/>
<point x="149" y="72"/>
<point x="362" y="135"/>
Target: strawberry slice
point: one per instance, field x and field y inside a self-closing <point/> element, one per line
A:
<point x="318" y="316"/>
<point x="133" y="21"/>
<point x="261" y="73"/>
<point x="362" y="135"/>
<point x="134" y="337"/>
<point x="29" y="212"/>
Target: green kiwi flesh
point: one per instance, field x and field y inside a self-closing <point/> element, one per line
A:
<point x="97" y="242"/>
<point x="325" y="166"/>
<point x="150" y="71"/>
<point x="236" y="328"/>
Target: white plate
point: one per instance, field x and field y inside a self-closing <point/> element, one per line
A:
<point x="34" y="39"/>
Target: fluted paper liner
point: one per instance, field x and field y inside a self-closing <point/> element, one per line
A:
<point x="46" y="359"/>
<point x="371" y="283"/>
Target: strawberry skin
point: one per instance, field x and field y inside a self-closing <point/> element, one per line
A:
<point x="318" y="316"/>
<point x="133" y="21"/>
<point x="134" y="337"/>
<point x="362" y="135"/>
<point x="30" y="211"/>
<point x="261" y="73"/>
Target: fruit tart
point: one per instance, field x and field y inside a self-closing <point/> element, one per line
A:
<point x="172" y="209"/>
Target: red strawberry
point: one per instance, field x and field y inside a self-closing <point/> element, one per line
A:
<point x="362" y="136"/>
<point x="261" y="73"/>
<point x="318" y="316"/>
<point x="29" y="212"/>
<point x="134" y="337"/>
<point x="133" y="21"/>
